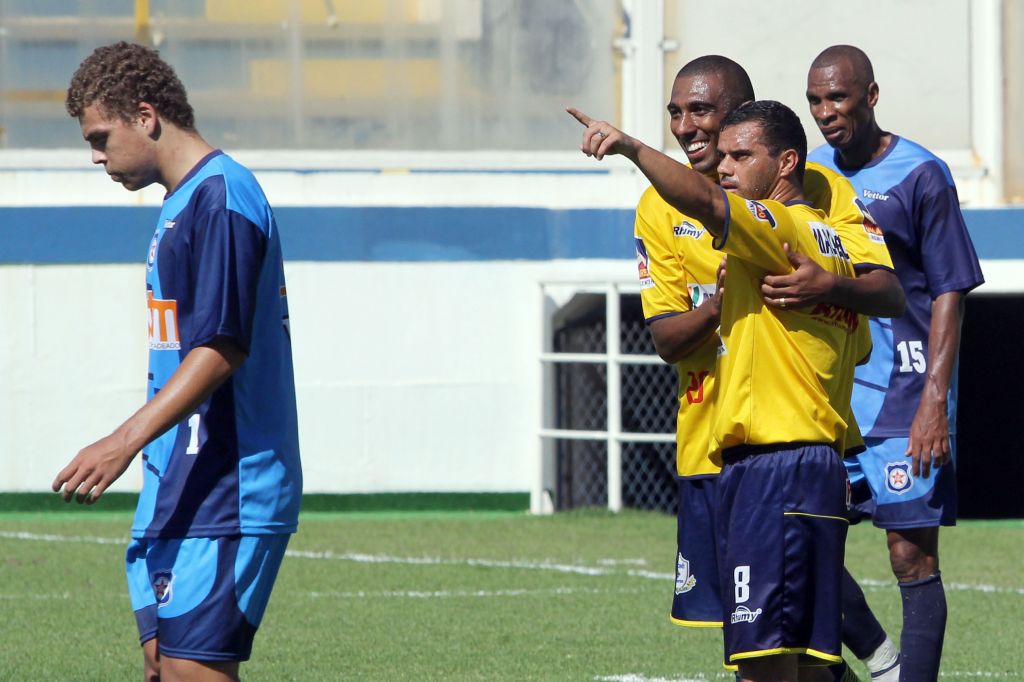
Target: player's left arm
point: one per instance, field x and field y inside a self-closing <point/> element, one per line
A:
<point x="98" y="465"/>
<point x="929" y="432"/>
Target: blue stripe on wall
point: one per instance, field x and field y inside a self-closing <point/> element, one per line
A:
<point x="50" y="235"/>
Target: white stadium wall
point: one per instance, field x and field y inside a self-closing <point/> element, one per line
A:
<point x="417" y="367"/>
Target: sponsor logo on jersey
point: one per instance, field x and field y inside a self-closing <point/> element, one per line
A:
<point x="875" y="196"/>
<point x="163" y="323"/>
<point x="643" y="264"/>
<point x="759" y="211"/>
<point x="151" y="259"/>
<point x="837" y="316"/>
<point x="829" y="243"/>
<point x="700" y="293"/>
<point x="744" y="615"/>
<point x="870" y="225"/>
<point x="684" y="581"/>
<point x="162" y="581"/>
<point x="168" y="224"/>
<point x="695" y="389"/>
<point x="897" y="477"/>
<point x="688" y="229"/>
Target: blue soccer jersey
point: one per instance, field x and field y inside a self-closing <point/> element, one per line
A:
<point x="215" y="269"/>
<point x="910" y="193"/>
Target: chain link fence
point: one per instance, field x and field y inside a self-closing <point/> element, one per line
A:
<point x="647" y="397"/>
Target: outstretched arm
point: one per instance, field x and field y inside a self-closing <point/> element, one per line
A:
<point x="97" y="466"/>
<point x="875" y="292"/>
<point x="684" y="189"/>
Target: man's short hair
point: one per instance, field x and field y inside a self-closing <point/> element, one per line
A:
<point x="855" y="56"/>
<point x="780" y="127"/>
<point x="738" y="88"/>
<point x="118" y="77"/>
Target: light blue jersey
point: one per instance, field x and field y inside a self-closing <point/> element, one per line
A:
<point x="215" y="269"/>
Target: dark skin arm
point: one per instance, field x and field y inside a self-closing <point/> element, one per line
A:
<point x="876" y="292"/>
<point x="686" y="190"/>
<point x="929" y="432"/>
<point x="97" y="466"/>
<point x="678" y="336"/>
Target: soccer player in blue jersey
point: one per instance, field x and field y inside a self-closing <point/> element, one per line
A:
<point x="218" y="433"/>
<point x="905" y="398"/>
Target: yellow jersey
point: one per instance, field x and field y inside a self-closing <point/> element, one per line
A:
<point x="678" y="269"/>
<point x="677" y="266"/>
<point x="785" y="375"/>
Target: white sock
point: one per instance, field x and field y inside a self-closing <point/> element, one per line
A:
<point x="885" y="656"/>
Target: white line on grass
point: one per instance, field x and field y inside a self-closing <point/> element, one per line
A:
<point x="703" y="677"/>
<point x="574" y="569"/>
<point x="446" y="594"/>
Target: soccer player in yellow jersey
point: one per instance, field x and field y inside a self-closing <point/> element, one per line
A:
<point x="781" y="408"/>
<point x="678" y="273"/>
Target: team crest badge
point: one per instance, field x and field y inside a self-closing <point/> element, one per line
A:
<point x="162" y="581"/>
<point x="152" y="252"/>
<point x="643" y="263"/>
<point x="684" y="581"/>
<point x="759" y="211"/>
<point x="897" y="477"/>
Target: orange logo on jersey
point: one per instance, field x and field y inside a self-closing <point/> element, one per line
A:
<point x="837" y="316"/>
<point x="695" y="391"/>
<point x="870" y="226"/>
<point x="163" y="323"/>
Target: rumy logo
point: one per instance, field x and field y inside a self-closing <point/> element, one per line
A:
<point x="163" y="323"/>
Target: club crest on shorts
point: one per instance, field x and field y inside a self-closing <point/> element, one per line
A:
<point x="897" y="477"/>
<point x="162" y="581"/>
<point x="744" y="615"/>
<point x="684" y="581"/>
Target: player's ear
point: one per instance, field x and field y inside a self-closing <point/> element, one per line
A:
<point x="788" y="161"/>
<point x="872" y="94"/>
<point x="146" y="117"/>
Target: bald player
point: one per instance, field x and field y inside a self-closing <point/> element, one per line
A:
<point x="905" y="398"/>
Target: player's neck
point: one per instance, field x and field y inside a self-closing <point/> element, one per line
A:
<point x="865" y="148"/>
<point x="179" y="154"/>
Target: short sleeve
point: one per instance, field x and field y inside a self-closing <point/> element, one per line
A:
<point x="948" y="258"/>
<point x="755" y="232"/>
<point x="663" y="280"/>
<point x="227" y="256"/>
<point x="863" y="238"/>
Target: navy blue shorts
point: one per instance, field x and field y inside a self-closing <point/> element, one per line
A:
<point x="782" y="530"/>
<point x="697" y="601"/>
<point x="885" y="490"/>
<point x="203" y="598"/>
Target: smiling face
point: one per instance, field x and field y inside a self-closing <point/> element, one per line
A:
<point x="697" y="106"/>
<point x="126" y="149"/>
<point x="747" y="167"/>
<point x="841" y="103"/>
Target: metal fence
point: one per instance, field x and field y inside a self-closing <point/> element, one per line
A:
<point x="610" y="403"/>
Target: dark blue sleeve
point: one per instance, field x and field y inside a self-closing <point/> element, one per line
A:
<point x="948" y="258"/>
<point x="227" y="256"/>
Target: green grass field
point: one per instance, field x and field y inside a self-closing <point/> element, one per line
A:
<point x="463" y="596"/>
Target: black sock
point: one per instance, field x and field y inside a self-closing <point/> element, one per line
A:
<point x="862" y="632"/>
<point x="924" y="625"/>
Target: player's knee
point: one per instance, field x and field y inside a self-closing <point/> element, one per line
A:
<point x="910" y="562"/>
